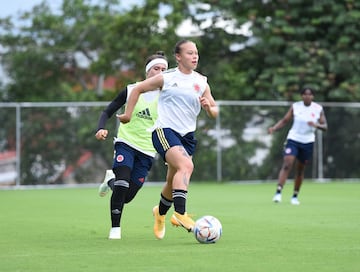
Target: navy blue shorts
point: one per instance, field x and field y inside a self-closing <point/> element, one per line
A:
<point x="303" y="152"/>
<point x="164" y="138"/>
<point x="138" y="162"/>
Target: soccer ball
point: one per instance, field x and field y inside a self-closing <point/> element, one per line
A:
<point x="207" y="229"/>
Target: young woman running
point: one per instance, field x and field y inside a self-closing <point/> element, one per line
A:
<point x="183" y="92"/>
<point x="134" y="151"/>
<point x="308" y="116"/>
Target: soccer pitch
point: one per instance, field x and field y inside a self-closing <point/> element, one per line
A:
<point x="67" y="230"/>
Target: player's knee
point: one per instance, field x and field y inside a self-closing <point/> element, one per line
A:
<point x="286" y="166"/>
<point x="188" y="167"/>
<point x="122" y="173"/>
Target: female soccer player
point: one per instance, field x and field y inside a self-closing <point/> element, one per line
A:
<point x="134" y="151"/>
<point x="308" y="116"/>
<point x="182" y="94"/>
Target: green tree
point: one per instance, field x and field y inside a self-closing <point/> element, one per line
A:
<point x="250" y="50"/>
<point x="286" y="45"/>
<point x="42" y="59"/>
<point x="46" y="55"/>
<point x="292" y="44"/>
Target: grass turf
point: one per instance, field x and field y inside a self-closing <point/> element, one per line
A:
<point x="67" y="229"/>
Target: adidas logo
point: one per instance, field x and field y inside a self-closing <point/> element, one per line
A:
<point x="145" y="114"/>
<point x="174" y="85"/>
<point x="116" y="211"/>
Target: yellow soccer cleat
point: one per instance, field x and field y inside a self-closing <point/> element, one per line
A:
<point x="183" y="220"/>
<point x="159" y="223"/>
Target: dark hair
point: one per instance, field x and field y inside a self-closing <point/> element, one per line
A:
<point x="307" y="88"/>
<point x="157" y="55"/>
<point x="179" y="44"/>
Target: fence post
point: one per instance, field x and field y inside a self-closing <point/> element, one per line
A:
<point x="218" y="147"/>
<point x="18" y="143"/>
<point x="320" y="154"/>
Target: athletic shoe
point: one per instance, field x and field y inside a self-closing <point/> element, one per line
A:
<point x="183" y="220"/>
<point x="104" y="187"/>
<point x="277" y="198"/>
<point x="115" y="233"/>
<point x="159" y="223"/>
<point x="295" y="201"/>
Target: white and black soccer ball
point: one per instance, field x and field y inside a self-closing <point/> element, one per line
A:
<point x="207" y="229"/>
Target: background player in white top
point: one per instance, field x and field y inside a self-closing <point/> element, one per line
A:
<point x="133" y="148"/>
<point x="182" y="94"/>
<point x="307" y="117"/>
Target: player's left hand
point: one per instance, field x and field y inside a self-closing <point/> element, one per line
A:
<point x="101" y="134"/>
<point x="205" y="104"/>
<point x="312" y="124"/>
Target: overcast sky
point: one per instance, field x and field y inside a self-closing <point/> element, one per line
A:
<point x="13" y="7"/>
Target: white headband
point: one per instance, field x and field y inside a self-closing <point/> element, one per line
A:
<point x="154" y="62"/>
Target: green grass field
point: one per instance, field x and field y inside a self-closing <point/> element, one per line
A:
<point x="67" y="230"/>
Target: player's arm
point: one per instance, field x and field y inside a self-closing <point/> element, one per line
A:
<point x="115" y="105"/>
<point x="150" y="84"/>
<point x="208" y="103"/>
<point x="322" y="123"/>
<point x="282" y="122"/>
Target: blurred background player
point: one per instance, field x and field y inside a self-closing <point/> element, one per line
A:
<point x="307" y="117"/>
<point x="133" y="148"/>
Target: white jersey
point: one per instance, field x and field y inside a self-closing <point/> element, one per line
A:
<point x="300" y="130"/>
<point x="179" y="103"/>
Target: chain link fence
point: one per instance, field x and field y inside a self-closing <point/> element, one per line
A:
<point x="54" y="143"/>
